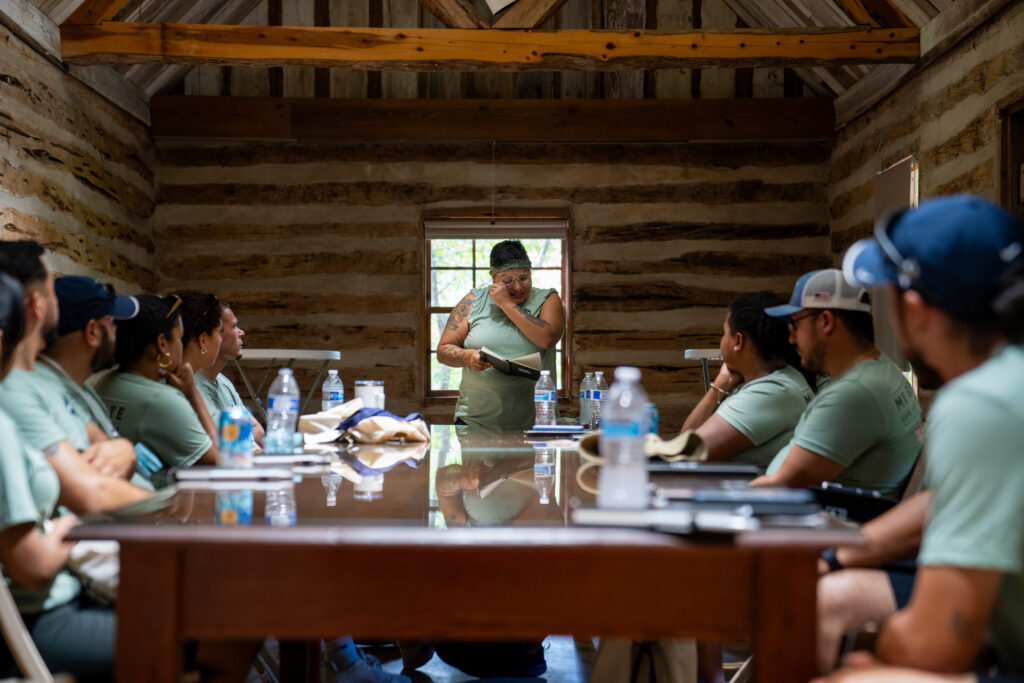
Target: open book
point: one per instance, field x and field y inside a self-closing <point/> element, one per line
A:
<point x="525" y="366"/>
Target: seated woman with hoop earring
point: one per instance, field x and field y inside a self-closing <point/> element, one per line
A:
<point x="152" y="395"/>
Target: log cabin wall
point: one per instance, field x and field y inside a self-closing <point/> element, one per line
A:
<point x="76" y="172"/>
<point x="320" y="246"/>
<point x="948" y="115"/>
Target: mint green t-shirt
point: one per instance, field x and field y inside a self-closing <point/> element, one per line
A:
<point x="218" y="395"/>
<point x="867" y="420"/>
<point x="50" y="407"/>
<point x="766" y="410"/>
<point x="975" y="472"/>
<point x="156" y="415"/>
<point x="29" y="490"/>
<point x="492" y="399"/>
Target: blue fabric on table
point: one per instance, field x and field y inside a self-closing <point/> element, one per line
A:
<point x="364" y="413"/>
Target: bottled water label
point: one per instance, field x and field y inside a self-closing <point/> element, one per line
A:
<point x="544" y="469"/>
<point x="541" y="395"/>
<point x="621" y="429"/>
<point x="283" y="404"/>
<point x="597" y="395"/>
<point x="582" y="394"/>
<point x="332" y="396"/>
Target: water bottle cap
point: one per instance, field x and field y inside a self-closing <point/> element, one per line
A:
<point x="545" y="372"/>
<point x="332" y="373"/>
<point x="284" y="371"/>
<point x="627" y="373"/>
<point x="599" y="373"/>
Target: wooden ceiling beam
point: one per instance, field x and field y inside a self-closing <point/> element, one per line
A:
<point x="474" y="49"/>
<point x="455" y="13"/>
<point x="95" y="11"/>
<point x="527" y="13"/>
<point x="368" y="120"/>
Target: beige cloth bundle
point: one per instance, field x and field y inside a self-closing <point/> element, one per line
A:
<point x="322" y="428"/>
<point x="686" y="446"/>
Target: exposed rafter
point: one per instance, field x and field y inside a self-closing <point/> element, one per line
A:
<point x="443" y="49"/>
<point x="527" y="13"/>
<point x="95" y="11"/>
<point x="455" y="13"/>
<point x="876" y="13"/>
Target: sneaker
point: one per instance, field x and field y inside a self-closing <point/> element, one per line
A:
<point x="415" y="654"/>
<point x="361" y="672"/>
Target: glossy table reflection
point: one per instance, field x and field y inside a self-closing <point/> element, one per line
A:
<point x="421" y="554"/>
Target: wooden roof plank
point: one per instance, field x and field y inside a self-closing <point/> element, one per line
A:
<point x="473" y="49"/>
<point x="527" y="13"/>
<point x="455" y="13"/>
<point x="362" y="120"/>
<point x="95" y="11"/>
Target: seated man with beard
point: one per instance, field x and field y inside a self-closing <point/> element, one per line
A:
<point x="54" y="407"/>
<point x="862" y="428"/>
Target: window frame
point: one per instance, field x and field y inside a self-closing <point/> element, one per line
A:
<point x="484" y="227"/>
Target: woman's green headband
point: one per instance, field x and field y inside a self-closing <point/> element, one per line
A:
<point x="512" y="265"/>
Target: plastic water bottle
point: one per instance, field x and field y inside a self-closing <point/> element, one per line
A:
<point x="622" y="482"/>
<point x="586" y="387"/>
<point x="333" y="392"/>
<point x="543" y="472"/>
<point x="544" y="399"/>
<point x="597" y="396"/>
<point x="282" y="412"/>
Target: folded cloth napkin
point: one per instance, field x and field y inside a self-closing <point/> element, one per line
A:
<point x="326" y="423"/>
<point x="374" y="425"/>
<point x="686" y="446"/>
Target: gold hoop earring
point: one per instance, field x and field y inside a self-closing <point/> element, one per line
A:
<point x="163" y="366"/>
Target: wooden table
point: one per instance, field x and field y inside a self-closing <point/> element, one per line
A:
<point x="403" y="580"/>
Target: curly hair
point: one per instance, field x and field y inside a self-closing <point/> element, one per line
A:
<point x="157" y="315"/>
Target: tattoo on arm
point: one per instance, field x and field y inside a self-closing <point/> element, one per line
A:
<point x="450" y="354"/>
<point x="460" y="312"/>
<point x="532" y="318"/>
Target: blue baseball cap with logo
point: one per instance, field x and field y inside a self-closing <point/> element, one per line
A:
<point x="822" y="289"/>
<point x="82" y="299"/>
<point x="955" y="251"/>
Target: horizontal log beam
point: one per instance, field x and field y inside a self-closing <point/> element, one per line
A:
<point x="315" y="119"/>
<point x="419" y="49"/>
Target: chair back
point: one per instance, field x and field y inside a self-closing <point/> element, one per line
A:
<point x="916" y="478"/>
<point x="19" y="640"/>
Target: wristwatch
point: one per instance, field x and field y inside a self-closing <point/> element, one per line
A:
<point x="829" y="555"/>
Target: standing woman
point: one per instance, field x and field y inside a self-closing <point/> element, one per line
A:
<point x="152" y="396"/>
<point x="512" y="319"/>
<point x="72" y="634"/>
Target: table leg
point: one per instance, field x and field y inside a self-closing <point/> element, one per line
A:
<point x="300" y="660"/>
<point x="316" y="387"/>
<point x="785" y="616"/>
<point x="148" y="642"/>
<point x="707" y="374"/>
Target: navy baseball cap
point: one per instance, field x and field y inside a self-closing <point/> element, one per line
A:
<point x="954" y="250"/>
<point x="83" y="299"/>
<point x="822" y="289"/>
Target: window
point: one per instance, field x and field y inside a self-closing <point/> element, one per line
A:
<point x="457" y="255"/>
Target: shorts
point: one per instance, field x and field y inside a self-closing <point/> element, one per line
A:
<point x="901" y="578"/>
